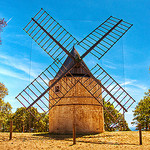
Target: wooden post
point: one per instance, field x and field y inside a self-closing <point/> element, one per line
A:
<point x="74" y="133"/>
<point x="1" y="124"/>
<point x="74" y="125"/>
<point x="30" y="124"/>
<point x="11" y="124"/>
<point x="123" y="120"/>
<point x="23" y="129"/>
<point x="3" y="128"/>
<point x="140" y="134"/>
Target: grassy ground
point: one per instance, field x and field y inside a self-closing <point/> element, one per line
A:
<point x="106" y="141"/>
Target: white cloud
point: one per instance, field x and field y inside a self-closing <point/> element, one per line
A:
<point x="10" y="73"/>
<point x="126" y="83"/>
<point x="141" y="86"/>
<point x="134" y="83"/>
<point x="109" y="64"/>
<point x="21" y="64"/>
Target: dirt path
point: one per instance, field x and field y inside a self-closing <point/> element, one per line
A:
<point x="106" y="141"/>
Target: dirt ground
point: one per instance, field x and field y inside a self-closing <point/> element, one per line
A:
<point x="45" y="141"/>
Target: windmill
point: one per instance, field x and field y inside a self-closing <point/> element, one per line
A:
<point x="68" y="69"/>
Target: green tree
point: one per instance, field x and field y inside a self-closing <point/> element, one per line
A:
<point x="5" y="108"/>
<point x="23" y="119"/>
<point x="3" y="93"/>
<point x="142" y="112"/>
<point x="109" y="120"/>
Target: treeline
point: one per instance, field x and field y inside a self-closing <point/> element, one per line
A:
<point x="142" y="112"/>
<point x="5" y="108"/>
<point x="23" y="121"/>
<point x="110" y="122"/>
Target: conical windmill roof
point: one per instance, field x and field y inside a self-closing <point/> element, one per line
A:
<point x="77" y="70"/>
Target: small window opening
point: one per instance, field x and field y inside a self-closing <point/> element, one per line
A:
<point x="57" y="88"/>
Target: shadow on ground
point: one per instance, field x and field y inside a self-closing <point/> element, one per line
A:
<point x="83" y="138"/>
<point x="61" y="136"/>
<point x="103" y="142"/>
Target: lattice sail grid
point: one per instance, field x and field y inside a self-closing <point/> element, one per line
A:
<point x="115" y="96"/>
<point x="113" y="29"/>
<point x="42" y="83"/>
<point x="43" y="25"/>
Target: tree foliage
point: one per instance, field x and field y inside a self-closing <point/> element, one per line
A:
<point x="23" y="119"/>
<point x="5" y="108"/>
<point x="142" y="112"/>
<point x="109" y="120"/>
<point x="3" y="91"/>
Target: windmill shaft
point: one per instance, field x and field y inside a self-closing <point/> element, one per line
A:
<point x="54" y="39"/>
<point x="92" y="47"/>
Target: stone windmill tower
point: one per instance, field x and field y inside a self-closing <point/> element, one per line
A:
<point x="78" y="106"/>
<point x="67" y="89"/>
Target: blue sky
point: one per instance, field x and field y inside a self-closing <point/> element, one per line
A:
<point x="21" y="60"/>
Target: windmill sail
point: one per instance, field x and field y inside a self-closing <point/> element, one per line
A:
<point x="114" y="95"/>
<point x="50" y="35"/>
<point x="28" y="97"/>
<point x="104" y="37"/>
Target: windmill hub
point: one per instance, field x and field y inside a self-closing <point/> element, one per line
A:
<point x="78" y="58"/>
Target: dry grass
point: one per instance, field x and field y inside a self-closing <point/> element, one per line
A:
<point x="106" y="141"/>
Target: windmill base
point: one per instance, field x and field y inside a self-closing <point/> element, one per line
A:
<point x="87" y="119"/>
<point x="77" y="107"/>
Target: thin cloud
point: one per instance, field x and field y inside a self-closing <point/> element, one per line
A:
<point x="143" y="87"/>
<point x="109" y="64"/>
<point x="12" y="74"/>
<point x="128" y="82"/>
<point x="131" y="83"/>
<point x="135" y="84"/>
<point x="21" y="64"/>
<point x="110" y="67"/>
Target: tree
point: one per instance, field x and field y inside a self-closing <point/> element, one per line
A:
<point x="109" y="120"/>
<point x="5" y="108"/>
<point x="24" y="120"/>
<point x="3" y="93"/>
<point x="3" y="90"/>
<point x="142" y="112"/>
